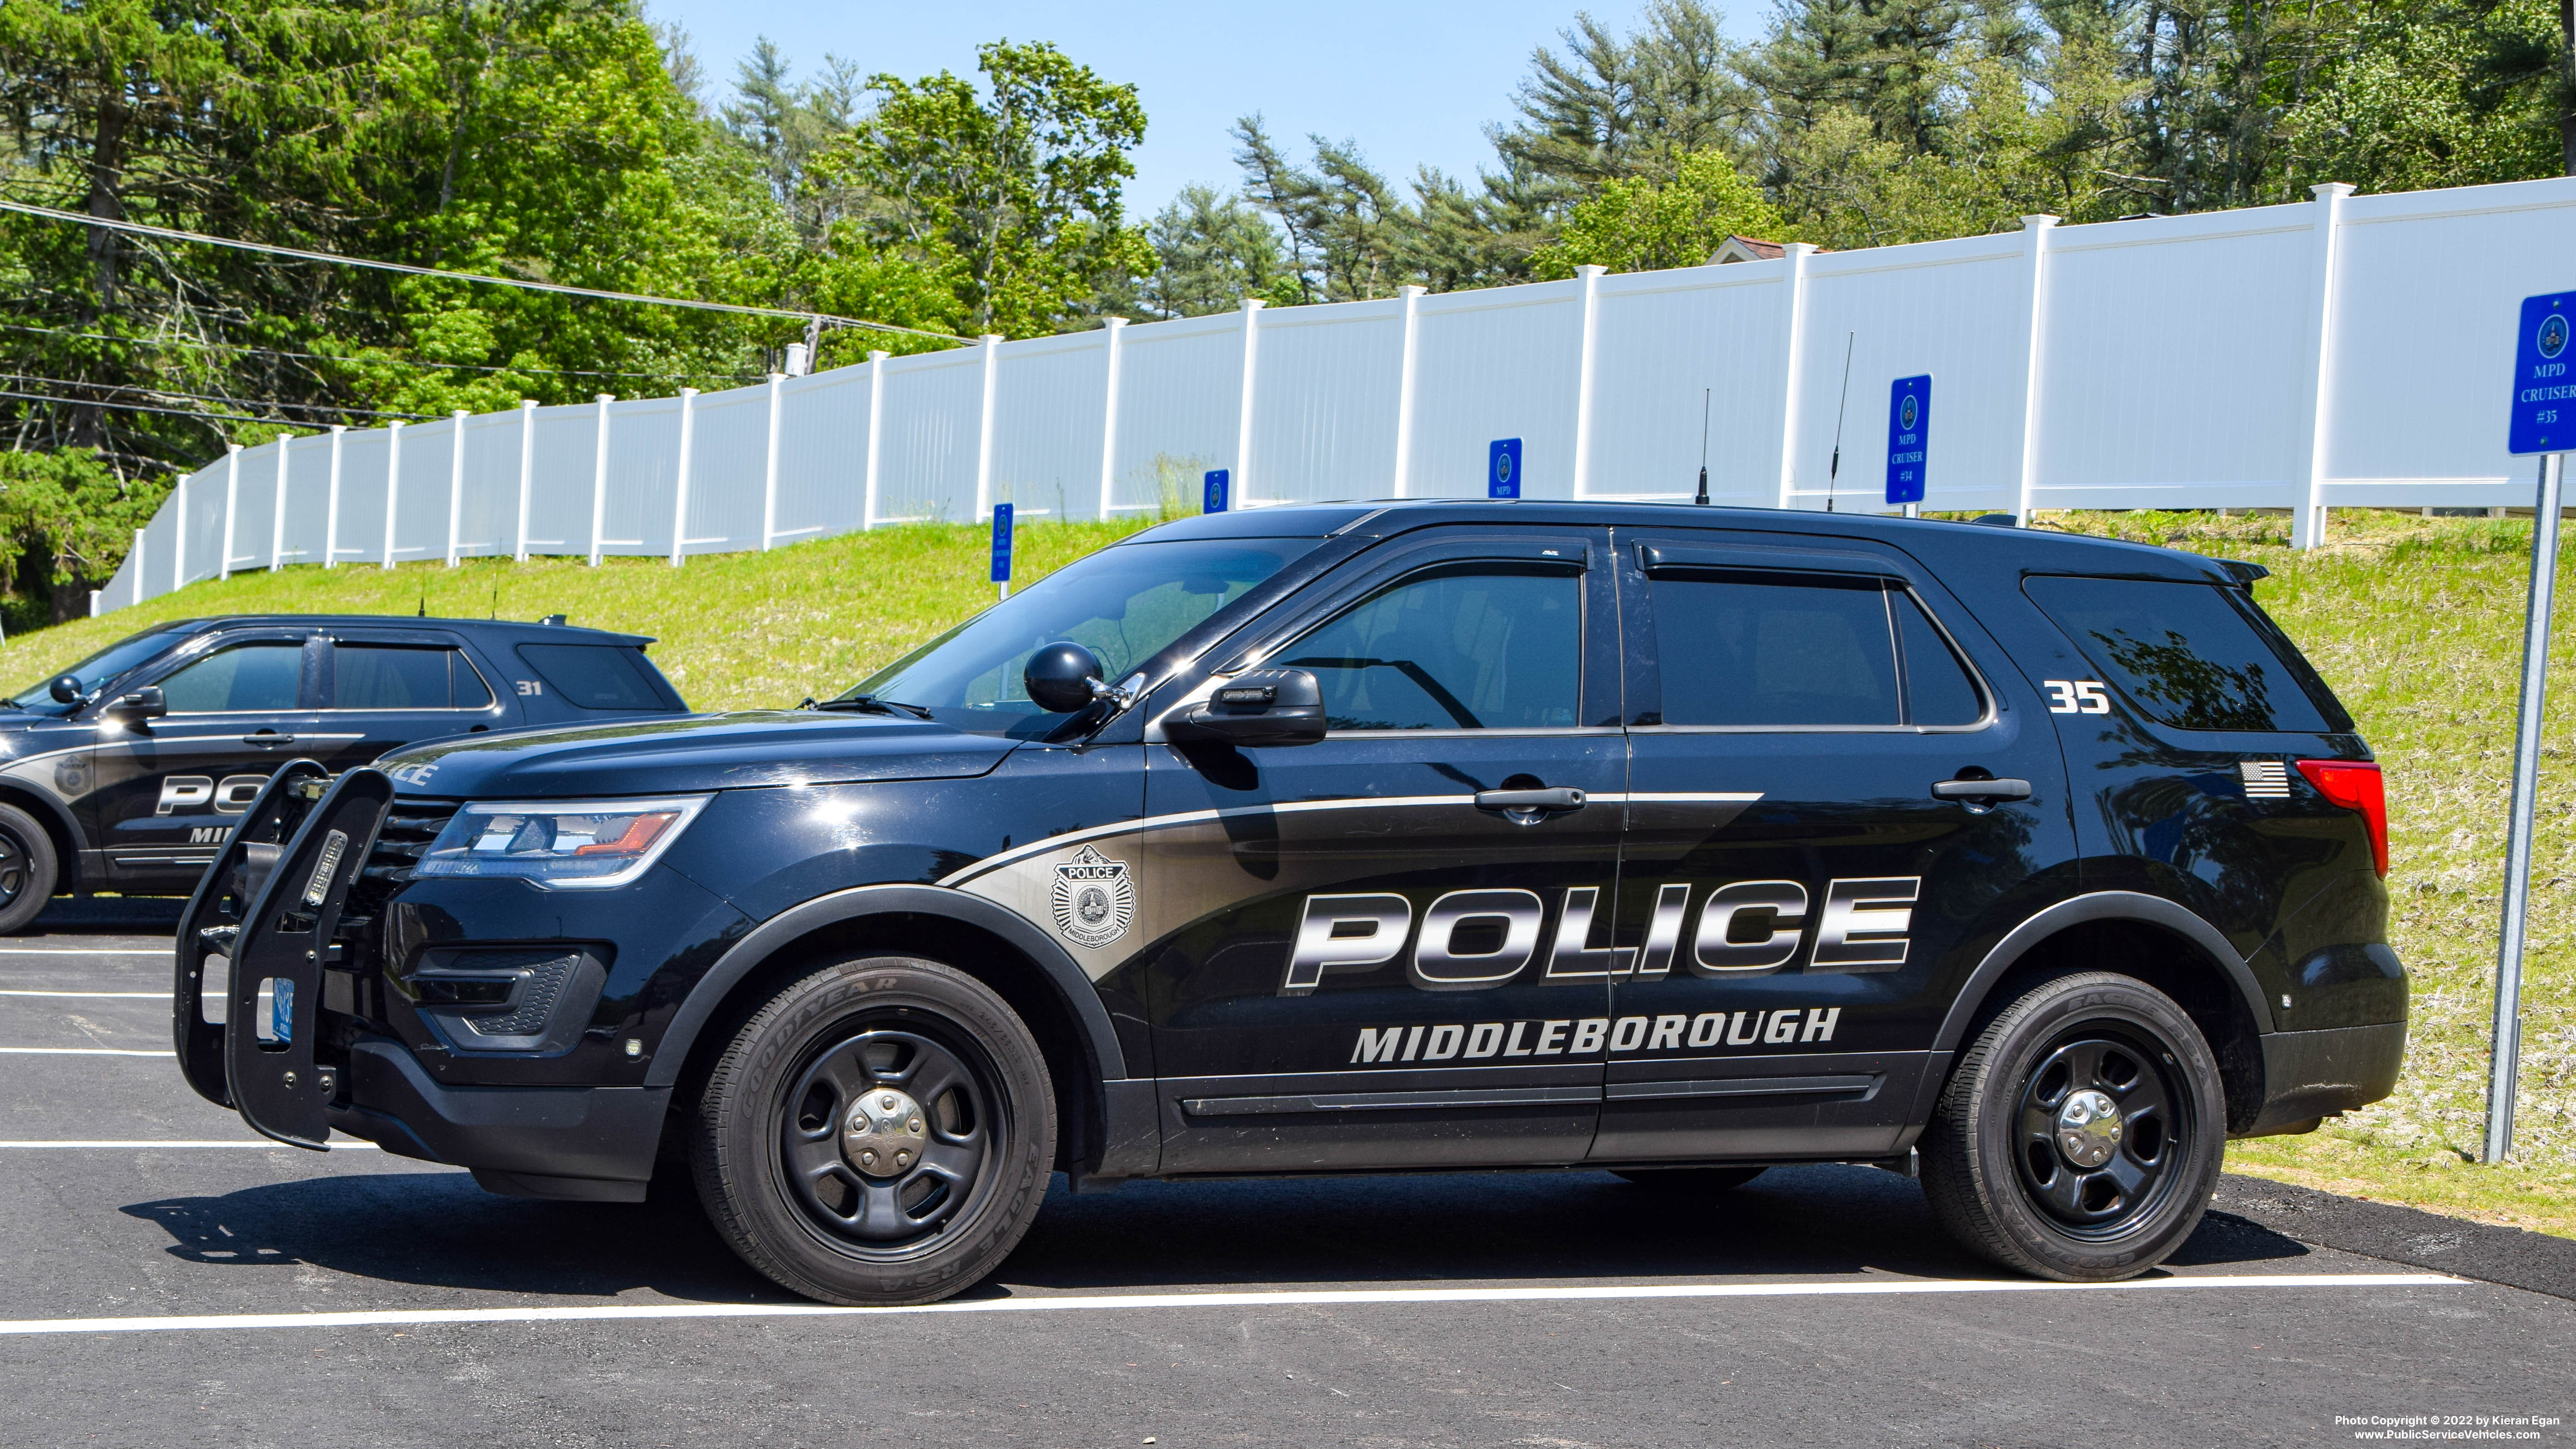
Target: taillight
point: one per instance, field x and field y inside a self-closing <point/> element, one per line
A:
<point x="2355" y="786"/>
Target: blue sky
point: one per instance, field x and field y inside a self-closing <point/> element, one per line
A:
<point x="1411" y="80"/>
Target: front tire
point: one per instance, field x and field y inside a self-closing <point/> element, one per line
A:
<point x="28" y="870"/>
<point x="880" y="1132"/>
<point x="2079" y="1137"/>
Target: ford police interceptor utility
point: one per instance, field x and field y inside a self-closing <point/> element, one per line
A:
<point x="1678" y="842"/>
<point x="126" y="772"/>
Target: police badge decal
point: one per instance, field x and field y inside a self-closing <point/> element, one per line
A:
<point x="1095" y="900"/>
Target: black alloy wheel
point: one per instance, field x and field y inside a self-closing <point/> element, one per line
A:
<point x="28" y="869"/>
<point x="2096" y="1125"/>
<point x="2080" y="1134"/>
<point x="879" y="1132"/>
<point x="883" y="1138"/>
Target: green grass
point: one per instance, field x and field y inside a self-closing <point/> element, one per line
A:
<point x="2417" y="623"/>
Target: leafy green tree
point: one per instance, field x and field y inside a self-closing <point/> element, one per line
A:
<point x="1210" y="252"/>
<point x="1611" y="106"/>
<point x="1640" y="224"/>
<point x="1021" y="187"/>
<point x="67" y="517"/>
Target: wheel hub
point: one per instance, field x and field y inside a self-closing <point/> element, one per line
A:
<point x="883" y="1133"/>
<point x="2088" y="1128"/>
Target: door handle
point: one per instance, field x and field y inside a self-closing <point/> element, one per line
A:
<point x="268" y="737"/>
<point x="1531" y="802"/>
<point x="1981" y="789"/>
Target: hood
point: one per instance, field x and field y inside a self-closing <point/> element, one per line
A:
<point x="692" y="753"/>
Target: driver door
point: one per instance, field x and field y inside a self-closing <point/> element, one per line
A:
<point x="169" y="789"/>
<point x="1375" y="971"/>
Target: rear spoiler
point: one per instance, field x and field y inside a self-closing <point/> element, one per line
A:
<point x="2242" y="572"/>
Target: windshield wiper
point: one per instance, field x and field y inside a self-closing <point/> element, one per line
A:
<point x="873" y="705"/>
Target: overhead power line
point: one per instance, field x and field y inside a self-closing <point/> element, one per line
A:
<point x="170" y="234"/>
<point x="182" y="344"/>
<point x="87" y="402"/>
<point x="165" y="394"/>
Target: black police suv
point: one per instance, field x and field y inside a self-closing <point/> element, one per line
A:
<point x="127" y="772"/>
<point x="1678" y="842"/>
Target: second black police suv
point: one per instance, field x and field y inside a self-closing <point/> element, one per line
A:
<point x="126" y="772"/>
<point x="1676" y="842"/>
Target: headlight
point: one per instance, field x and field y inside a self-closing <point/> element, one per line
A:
<point x="561" y="844"/>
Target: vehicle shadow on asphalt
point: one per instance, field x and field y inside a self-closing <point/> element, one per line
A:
<point x="438" y="1229"/>
<point x="1820" y="1221"/>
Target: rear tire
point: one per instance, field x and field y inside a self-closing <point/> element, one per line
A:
<point x="2080" y="1135"/>
<point x="880" y="1132"/>
<point x="1694" y="1180"/>
<point x="28" y="869"/>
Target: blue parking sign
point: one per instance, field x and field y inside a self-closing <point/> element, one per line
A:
<point x="1503" y="468"/>
<point x="1909" y="431"/>
<point x="1212" y="490"/>
<point x="1001" y="543"/>
<point x="2544" y="392"/>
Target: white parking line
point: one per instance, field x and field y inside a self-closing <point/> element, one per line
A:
<point x="1073" y="1303"/>
<point x="85" y="951"/>
<point x="262" y="1142"/>
<point x="77" y="1052"/>
<point x="150" y="995"/>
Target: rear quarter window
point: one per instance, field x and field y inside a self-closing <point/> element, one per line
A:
<point x="601" y="676"/>
<point x="2190" y="655"/>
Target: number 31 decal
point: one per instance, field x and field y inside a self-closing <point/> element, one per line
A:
<point x="2076" y="696"/>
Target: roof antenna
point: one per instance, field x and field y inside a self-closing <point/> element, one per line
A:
<point x="496" y="595"/>
<point x="1837" y="465"/>
<point x="1702" y="499"/>
<point x="424" y="601"/>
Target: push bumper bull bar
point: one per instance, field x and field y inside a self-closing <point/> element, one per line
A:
<point x="270" y="909"/>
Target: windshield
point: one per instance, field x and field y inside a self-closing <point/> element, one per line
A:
<point x="95" y="671"/>
<point x="1124" y="604"/>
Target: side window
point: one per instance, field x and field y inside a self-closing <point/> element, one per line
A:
<point x="1754" y="650"/>
<point x="245" y="677"/>
<point x="1469" y="647"/>
<point x="405" y="676"/>
<point x="1938" y="688"/>
<point x="2183" y="653"/>
<point x="597" y="676"/>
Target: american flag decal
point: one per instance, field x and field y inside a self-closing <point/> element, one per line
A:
<point x="2266" y="780"/>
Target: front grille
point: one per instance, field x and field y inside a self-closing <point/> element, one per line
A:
<point x="408" y="830"/>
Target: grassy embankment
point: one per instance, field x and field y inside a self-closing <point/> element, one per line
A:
<point x="2416" y="622"/>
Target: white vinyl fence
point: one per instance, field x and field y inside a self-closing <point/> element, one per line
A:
<point x="2351" y="351"/>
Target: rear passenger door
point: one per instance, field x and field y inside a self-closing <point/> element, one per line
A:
<point x="169" y="789"/>
<point x="1375" y="970"/>
<point x="1804" y="876"/>
<point x="387" y="688"/>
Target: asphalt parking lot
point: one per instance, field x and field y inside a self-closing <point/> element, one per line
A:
<point x="167" y="1278"/>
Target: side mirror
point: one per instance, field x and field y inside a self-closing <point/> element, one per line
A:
<point x="142" y="704"/>
<point x="1062" y="677"/>
<point x="1256" y="707"/>
<point x="65" y="689"/>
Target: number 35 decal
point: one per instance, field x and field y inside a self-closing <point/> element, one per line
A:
<point x="2076" y="696"/>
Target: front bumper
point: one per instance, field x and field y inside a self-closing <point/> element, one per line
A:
<point x="2312" y="1074"/>
<point x="580" y="1144"/>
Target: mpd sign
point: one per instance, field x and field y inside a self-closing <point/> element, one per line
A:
<point x="2544" y="386"/>
<point x="1909" y="433"/>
